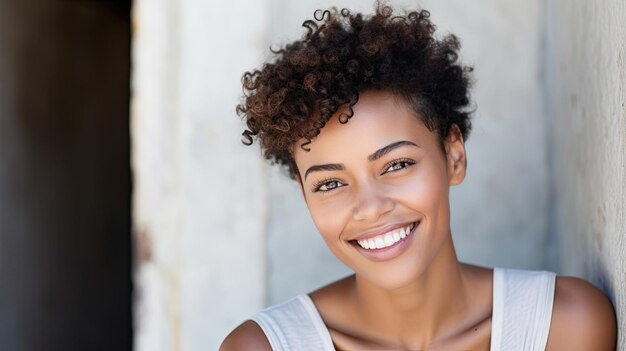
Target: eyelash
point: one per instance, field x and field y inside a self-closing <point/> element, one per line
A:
<point x="319" y="184"/>
<point x="406" y="161"/>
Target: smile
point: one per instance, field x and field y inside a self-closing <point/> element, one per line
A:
<point x="386" y="239"/>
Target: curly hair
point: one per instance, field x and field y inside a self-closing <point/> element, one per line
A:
<point x="344" y="54"/>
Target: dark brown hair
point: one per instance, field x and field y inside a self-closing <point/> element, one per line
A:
<point x="343" y="54"/>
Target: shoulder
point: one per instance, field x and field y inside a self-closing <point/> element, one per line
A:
<point x="582" y="317"/>
<point x="247" y="336"/>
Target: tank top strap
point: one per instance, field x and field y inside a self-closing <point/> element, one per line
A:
<point x="294" y="325"/>
<point x="522" y="309"/>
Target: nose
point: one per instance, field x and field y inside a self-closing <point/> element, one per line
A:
<point x="371" y="203"/>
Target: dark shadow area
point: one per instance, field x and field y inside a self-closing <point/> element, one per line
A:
<point x="65" y="181"/>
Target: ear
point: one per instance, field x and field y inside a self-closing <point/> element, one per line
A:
<point x="455" y="155"/>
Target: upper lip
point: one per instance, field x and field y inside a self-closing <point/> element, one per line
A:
<point x="381" y="230"/>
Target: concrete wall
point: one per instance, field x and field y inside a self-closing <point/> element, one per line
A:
<point x="586" y="81"/>
<point x="219" y="234"/>
<point x="199" y="194"/>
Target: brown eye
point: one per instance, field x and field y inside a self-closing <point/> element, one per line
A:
<point x="327" y="185"/>
<point x="397" y="165"/>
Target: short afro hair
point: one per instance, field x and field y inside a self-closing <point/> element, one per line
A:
<point x="343" y="54"/>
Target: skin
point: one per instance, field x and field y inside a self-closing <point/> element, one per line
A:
<point x="423" y="299"/>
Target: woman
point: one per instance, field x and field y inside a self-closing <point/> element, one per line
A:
<point x="370" y="116"/>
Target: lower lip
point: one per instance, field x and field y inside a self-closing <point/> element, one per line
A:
<point x="389" y="252"/>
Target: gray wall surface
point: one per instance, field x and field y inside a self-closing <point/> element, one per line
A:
<point x="586" y="67"/>
<point x="199" y="195"/>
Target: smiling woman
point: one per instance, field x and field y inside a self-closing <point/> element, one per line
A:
<point x="389" y="175"/>
<point x="370" y="116"/>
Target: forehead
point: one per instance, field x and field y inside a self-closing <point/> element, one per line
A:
<point x="380" y="118"/>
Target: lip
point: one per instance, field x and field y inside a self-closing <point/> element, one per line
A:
<point x="386" y="253"/>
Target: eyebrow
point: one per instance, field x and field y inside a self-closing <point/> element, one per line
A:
<point x="387" y="149"/>
<point x="373" y="157"/>
<point x="326" y="167"/>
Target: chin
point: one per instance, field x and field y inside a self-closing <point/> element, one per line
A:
<point x="398" y="278"/>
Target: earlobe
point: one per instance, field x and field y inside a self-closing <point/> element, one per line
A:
<point x="456" y="157"/>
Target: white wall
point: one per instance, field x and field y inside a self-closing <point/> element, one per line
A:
<point x="219" y="234"/>
<point x="586" y="56"/>
<point x="199" y="195"/>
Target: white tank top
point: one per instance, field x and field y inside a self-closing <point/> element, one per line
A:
<point x="522" y="310"/>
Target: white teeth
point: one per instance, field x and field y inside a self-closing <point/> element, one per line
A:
<point x="389" y="239"/>
<point x="380" y="243"/>
<point x="372" y="243"/>
<point x="385" y="240"/>
<point x="364" y="243"/>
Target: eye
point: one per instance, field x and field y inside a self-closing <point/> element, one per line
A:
<point x="396" y="165"/>
<point x="327" y="185"/>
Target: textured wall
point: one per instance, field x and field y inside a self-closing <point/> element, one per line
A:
<point x="586" y="55"/>
<point x="500" y="212"/>
<point x="198" y="214"/>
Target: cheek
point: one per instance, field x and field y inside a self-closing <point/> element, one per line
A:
<point x="329" y="217"/>
<point x="426" y="192"/>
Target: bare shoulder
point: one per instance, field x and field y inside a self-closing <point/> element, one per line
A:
<point x="248" y="336"/>
<point x="582" y="317"/>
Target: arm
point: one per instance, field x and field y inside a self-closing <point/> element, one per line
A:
<point x="582" y="318"/>
<point x="247" y="337"/>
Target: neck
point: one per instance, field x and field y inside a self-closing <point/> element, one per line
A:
<point x="427" y="310"/>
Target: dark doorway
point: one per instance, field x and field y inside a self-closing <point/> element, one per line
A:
<point x="65" y="181"/>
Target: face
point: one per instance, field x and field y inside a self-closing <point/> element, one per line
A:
<point x="377" y="189"/>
